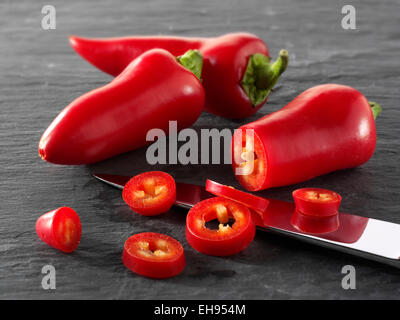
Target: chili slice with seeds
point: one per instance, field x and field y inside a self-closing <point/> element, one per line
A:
<point x="150" y="193"/>
<point x="227" y="240"/>
<point x="153" y="255"/>
<point x="317" y="202"/>
<point x="317" y="210"/>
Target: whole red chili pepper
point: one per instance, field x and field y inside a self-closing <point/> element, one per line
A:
<point x="326" y="128"/>
<point x="237" y="74"/>
<point x="153" y="90"/>
<point x="226" y="240"/>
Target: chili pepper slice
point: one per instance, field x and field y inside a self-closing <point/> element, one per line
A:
<point x="258" y="204"/>
<point x="153" y="255"/>
<point x="150" y="193"/>
<point x="317" y="210"/>
<point x="317" y="202"/>
<point x="60" y="228"/>
<point x="227" y="240"/>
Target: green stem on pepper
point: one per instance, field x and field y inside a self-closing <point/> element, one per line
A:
<point x="376" y="109"/>
<point x="261" y="75"/>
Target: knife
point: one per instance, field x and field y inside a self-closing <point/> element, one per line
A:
<point x="364" y="237"/>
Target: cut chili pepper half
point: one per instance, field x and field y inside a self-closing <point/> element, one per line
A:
<point x="153" y="255"/>
<point x="316" y="133"/>
<point x="249" y="200"/>
<point x="317" y="210"/>
<point x="150" y="193"/>
<point x="316" y="201"/>
<point x="60" y="228"/>
<point x="226" y="240"/>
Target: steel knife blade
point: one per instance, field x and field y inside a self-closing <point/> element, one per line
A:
<point x="365" y="237"/>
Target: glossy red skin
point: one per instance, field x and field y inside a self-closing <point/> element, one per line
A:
<point x="326" y="128"/>
<point x="258" y="204"/>
<point x="316" y="208"/>
<point x="46" y="227"/>
<point x="225" y="62"/>
<point x="115" y="118"/>
<point x="314" y="224"/>
<point x="154" y="268"/>
<point x="162" y="206"/>
<point x="210" y="243"/>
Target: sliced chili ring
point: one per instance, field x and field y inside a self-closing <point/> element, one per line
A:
<point x="317" y="210"/>
<point x="317" y="202"/>
<point x="227" y="240"/>
<point x="153" y="255"/>
<point x="60" y="228"/>
<point x="150" y="193"/>
<point x="258" y="204"/>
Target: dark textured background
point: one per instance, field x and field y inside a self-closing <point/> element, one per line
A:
<point x="40" y="74"/>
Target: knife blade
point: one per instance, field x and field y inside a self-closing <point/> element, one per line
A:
<point x="365" y="237"/>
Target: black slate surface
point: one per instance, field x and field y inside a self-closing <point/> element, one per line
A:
<point x="40" y="74"/>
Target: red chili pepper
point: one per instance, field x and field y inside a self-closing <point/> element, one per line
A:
<point x="60" y="229"/>
<point x="326" y="128"/>
<point x="150" y="193"/>
<point x="258" y="204"/>
<point x="237" y="75"/>
<point x="153" y="255"/>
<point x="317" y="210"/>
<point x="227" y="240"/>
<point x="154" y="89"/>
